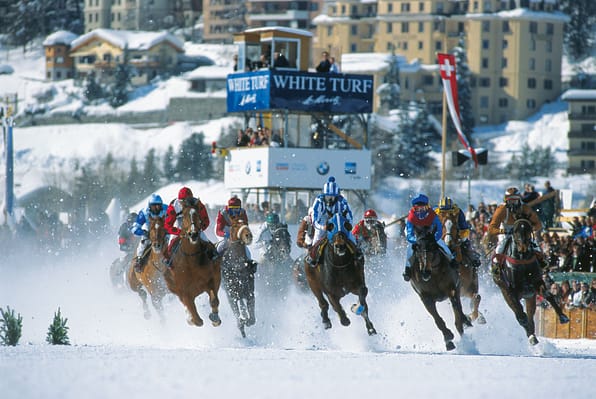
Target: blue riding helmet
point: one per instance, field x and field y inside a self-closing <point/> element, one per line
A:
<point x="420" y="199"/>
<point x="155" y="200"/>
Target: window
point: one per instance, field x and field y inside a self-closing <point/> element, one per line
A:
<point x="531" y="104"/>
<point x="503" y="82"/>
<point x="506" y="27"/>
<point x="353" y="48"/>
<point x="389" y="27"/>
<point x="421" y="6"/>
<point x="533" y="27"/>
<point x="330" y="31"/>
<point x="389" y="46"/>
<point x="484" y="82"/>
<point x="548" y="84"/>
<point x="531" y="83"/>
<point x="420" y="27"/>
<point x="484" y="62"/>
<point x="427" y="80"/>
<point x="533" y="45"/>
<point x="549" y="46"/>
<point x="588" y="109"/>
<point x="59" y="60"/>
<point x="58" y="74"/>
<point x="390" y="8"/>
<point x="485" y="44"/>
<point x="486" y="26"/>
<point x="404" y="45"/>
<point x="407" y="83"/>
<point x="503" y="103"/>
<point x="405" y="7"/>
<point x="505" y="44"/>
<point x="354" y="30"/>
<point x="587" y="165"/>
<point x="532" y="64"/>
<point x="405" y="27"/>
<point x="438" y="46"/>
<point x="548" y="65"/>
<point x="550" y="28"/>
<point x="420" y="45"/>
<point x="439" y="8"/>
<point x="484" y="102"/>
<point x="504" y="63"/>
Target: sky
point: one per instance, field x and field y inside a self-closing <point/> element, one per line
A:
<point x="115" y="352"/>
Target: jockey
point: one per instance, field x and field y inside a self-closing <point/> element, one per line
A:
<point x="502" y="222"/>
<point x="126" y="238"/>
<point x="173" y="221"/>
<point x="448" y="208"/>
<point x="304" y="238"/>
<point x="421" y="214"/>
<point x="325" y="206"/>
<point x="363" y="228"/>
<point x="225" y="216"/>
<point x="266" y="230"/>
<point x="155" y="209"/>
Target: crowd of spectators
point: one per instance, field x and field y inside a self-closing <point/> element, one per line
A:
<point x="262" y="136"/>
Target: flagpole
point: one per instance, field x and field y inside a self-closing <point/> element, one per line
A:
<point x="443" y="144"/>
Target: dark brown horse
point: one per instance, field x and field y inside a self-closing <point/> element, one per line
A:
<point x="151" y="280"/>
<point x="443" y="282"/>
<point x="193" y="272"/>
<point x="375" y="242"/>
<point x="338" y="275"/>
<point x="519" y="276"/>
<point x="468" y="274"/>
<point x="238" y="277"/>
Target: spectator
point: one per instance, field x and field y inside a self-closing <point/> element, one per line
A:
<point x="529" y="195"/>
<point x="555" y="290"/>
<point x="591" y="300"/>
<point x="575" y="294"/>
<point x="276" y="140"/>
<point x="333" y="68"/>
<point x="584" y="295"/>
<point x="550" y="207"/>
<point x="235" y="58"/>
<point x="263" y="62"/>
<point x="565" y="292"/>
<point x="325" y="64"/>
<point x="255" y="138"/>
<point x="263" y="135"/>
<point x="243" y="139"/>
<point x="280" y="60"/>
<point x="470" y="213"/>
<point x="575" y="262"/>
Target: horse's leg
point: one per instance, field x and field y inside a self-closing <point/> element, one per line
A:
<point x="458" y="312"/>
<point x="250" y="300"/>
<point x="323" y="305"/>
<point x="189" y="303"/>
<point x="530" y="311"/>
<point x="553" y="302"/>
<point x="136" y="286"/>
<point x="514" y="304"/>
<point x="334" y="300"/>
<point x="431" y="307"/>
<point x="475" y="304"/>
<point x="362" y="309"/>
<point x="214" y="303"/>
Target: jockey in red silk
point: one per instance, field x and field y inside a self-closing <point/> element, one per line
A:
<point x="225" y="216"/>
<point x="173" y="220"/>
<point x="362" y="229"/>
<point x="422" y="215"/>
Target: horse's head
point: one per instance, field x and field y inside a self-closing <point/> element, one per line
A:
<point x="425" y="238"/>
<point x="239" y="231"/>
<point x="191" y="224"/>
<point x="522" y="235"/>
<point x="338" y="231"/>
<point x="157" y="234"/>
<point x="450" y="229"/>
<point x="281" y="241"/>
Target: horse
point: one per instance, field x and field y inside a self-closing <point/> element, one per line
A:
<point x="518" y="275"/>
<point x="150" y="279"/>
<point x="238" y="278"/>
<point x="375" y="243"/>
<point x="468" y="274"/>
<point x="275" y="269"/>
<point x="118" y="268"/>
<point x="442" y="282"/>
<point x="193" y="271"/>
<point x="338" y="275"/>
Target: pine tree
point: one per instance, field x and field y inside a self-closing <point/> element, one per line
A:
<point x="169" y="170"/>
<point x="578" y="30"/>
<point x="93" y="90"/>
<point x="151" y="173"/>
<point x="24" y="22"/>
<point x="134" y="181"/>
<point x="464" y="91"/>
<point x="10" y="327"/>
<point x="58" y="331"/>
<point x="122" y="82"/>
<point x="194" y="159"/>
<point x="389" y="91"/>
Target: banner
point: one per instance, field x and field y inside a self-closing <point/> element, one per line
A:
<point x="300" y="91"/>
<point x="448" y="76"/>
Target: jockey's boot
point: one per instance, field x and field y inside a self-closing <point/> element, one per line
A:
<point x="407" y="273"/>
<point x="313" y="255"/>
<point x="137" y="265"/>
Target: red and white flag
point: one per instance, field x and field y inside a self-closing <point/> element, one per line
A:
<point x="448" y="76"/>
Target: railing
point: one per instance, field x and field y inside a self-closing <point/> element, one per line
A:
<point x="582" y="323"/>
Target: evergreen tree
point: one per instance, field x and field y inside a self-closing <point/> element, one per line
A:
<point x="389" y="91"/>
<point x="194" y="159"/>
<point x="121" y="82"/>
<point x="578" y="31"/>
<point x="169" y="170"/>
<point x="464" y="91"/>
<point x="24" y="22"/>
<point x="58" y="331"/>
<point x="151" y="174"/>
<point x="93" y="91"/>
<point x="134" y="182"/>
<point x="10" y="327"/>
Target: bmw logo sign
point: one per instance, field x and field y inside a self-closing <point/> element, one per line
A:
<point x="323" y="168"/>
<point x="247" y="168"/>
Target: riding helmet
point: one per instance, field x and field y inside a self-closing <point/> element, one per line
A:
<point x="155" y="200"/>
<point x="131" y="217"/>
<point x="370" y="214"/>
<point x="512" y="193"/>
<point x="420" y="199"/>
<point x="184" y="193"/>
<point x="445" y="203"/>
<point x="234" y="202"/>
<point x="272" y="218"/>
<point x="331" y="188"/>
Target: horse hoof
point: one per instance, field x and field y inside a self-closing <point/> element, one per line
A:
<point x="481" y="320"/>
<point x="449" y="345"/>
<point x="327" y="325"/>
<point x="345" y="321"/>
<point x="198" y="323"/>
<point x="563" y="319"/>
<point x="242" y="332"/>
<point x="372" y="331"/>
<point x="532" y="339"/>
<point x="215" y="320"/>
<point x="251" y="321"/>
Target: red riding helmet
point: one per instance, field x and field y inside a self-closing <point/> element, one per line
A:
<point x="234" y="202"/>
<point x="184" y="193"/>
<point x="370" y="214"/>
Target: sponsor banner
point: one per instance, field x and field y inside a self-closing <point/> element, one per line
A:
<point x="297" y="168"/>
<point x="300" y="91"/>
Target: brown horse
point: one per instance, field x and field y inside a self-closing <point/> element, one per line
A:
<point x="193" y="271"/>
<point x="442" y="284"/>
<point x="468" y="274"/>
<point x="519" y="276"/>
<point x="337" y="275"/>
<point x="238" y="277"/>
<point x="150" y="279"/>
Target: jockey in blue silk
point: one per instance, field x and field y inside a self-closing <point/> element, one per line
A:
<point x="327" y="204"/>
<point x="422" y="215"/>
<point x="154" y="209"/>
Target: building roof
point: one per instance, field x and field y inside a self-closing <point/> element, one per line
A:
<point x="134" y="40"/>
<point x="60" y="37"/>
<point x="300" y="32"/>
<point x="579" y="95"/>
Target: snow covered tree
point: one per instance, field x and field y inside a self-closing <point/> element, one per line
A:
<point x="578" y="32"/>
<point x="194" y="159"/>
<point x="24" y="22"/>
<point x="151" y="172"/>
<point x="169" y="170"/>
<point x="58" y="331"/>
<point x="93" y="90"/>
<point x="10" y="327"/>
<point x="389" y="91"/>
<point x="464" y="91"/>
<point x="121" y="82"/>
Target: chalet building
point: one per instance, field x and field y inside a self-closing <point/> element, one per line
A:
<point x="149" y="53"/>
<point x="582" y="131"/>
<point x="59" y="63"/>
<point x="514" y="48"/>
